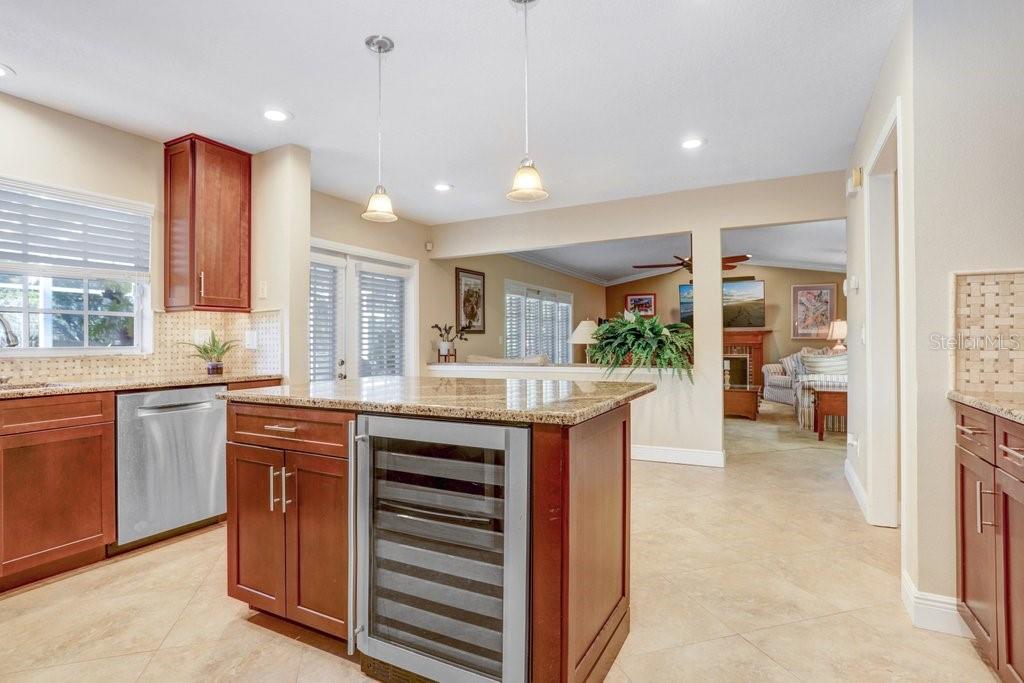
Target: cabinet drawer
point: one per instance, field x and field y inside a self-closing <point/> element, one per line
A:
<point x="255" y="384"/>
<point x="975" y="432"/>
<point x="298" y="429"/>
<point x="1010" y="447"/>
<point x="53" y="412"/>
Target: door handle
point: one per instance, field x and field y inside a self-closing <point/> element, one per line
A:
<point x="979" y="492"/>
<point x="147" y="411"/>
<point x="284" y="490"/>
<point x="352" y="474"/>
<point x="273" y="500"/>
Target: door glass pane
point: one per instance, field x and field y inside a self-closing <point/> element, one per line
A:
<point x="437" y="551"/>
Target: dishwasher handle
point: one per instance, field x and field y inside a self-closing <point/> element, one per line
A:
<point x="149" y="411"/>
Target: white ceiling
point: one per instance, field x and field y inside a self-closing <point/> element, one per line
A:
<point x="819" y="245"/>
<point x="778" y="88"/>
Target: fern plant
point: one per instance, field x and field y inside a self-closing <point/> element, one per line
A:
<point x="638" y="342"/>
<point x="212" y="350"/>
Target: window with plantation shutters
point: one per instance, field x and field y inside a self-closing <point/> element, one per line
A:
<point x="324" y="341"/>
<point x="74" y="270"/>
<point x="537" y="321"/>
<point x="382" y="335"/>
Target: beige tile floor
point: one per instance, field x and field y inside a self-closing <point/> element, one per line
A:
<point x="763" y="571"/>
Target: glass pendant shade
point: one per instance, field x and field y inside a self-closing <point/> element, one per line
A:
<point x="527" y="185"/>
<point x="378" y="208"/>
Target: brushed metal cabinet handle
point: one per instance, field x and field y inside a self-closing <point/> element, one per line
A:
<point x="1012" y="452"/>
<point x="202" y="283"/>
<point x="280" y="428"/>
<point x="272" y="473"/>
<point x="968" y="431"/>
<point x="979" y="492"/>
<point x="285" y="500"/>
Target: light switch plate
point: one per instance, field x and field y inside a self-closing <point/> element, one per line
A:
<point x="251" y="339"/>
<point x="201" y="336"/>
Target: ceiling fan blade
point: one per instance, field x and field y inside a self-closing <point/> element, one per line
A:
<point x="726" y="266"/>
<point x="740" y="258"/>
<point x="660" y="265"/>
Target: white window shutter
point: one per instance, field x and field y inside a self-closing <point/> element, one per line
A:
<point x="381" y="324"/>
<point x="323" y="321"/>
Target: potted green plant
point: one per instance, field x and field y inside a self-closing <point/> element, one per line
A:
<point x="448" y="335"/>
<point x="213" y="351"/>
<point x="641" y="342"/>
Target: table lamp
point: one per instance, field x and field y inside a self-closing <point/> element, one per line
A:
<point x="584" y="334"/>
<point x="837" y="333"/>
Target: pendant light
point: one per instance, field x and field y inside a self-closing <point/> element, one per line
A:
<point x="526" y="185"/>
<point x="378" y="208"/>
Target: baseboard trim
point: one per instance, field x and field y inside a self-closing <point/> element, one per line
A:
<point x="858" y="489"/>
<point x="932" y="611"/>
<point x="679" y="456"/>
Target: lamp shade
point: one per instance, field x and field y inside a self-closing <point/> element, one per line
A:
<point x="378" y="208"/>
<point x="527" y="185"/>
<point x="837" y="330"/>
<point x="584" y="333"/>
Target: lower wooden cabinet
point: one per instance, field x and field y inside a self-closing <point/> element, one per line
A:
<point x="1009" y="493"/>
<point x="288" y="534"/>
<point x="990" y="536"/>
<point x="976" y="548"/>
<point x="57" y="504"/>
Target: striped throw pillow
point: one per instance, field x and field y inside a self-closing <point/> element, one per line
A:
<point x="792" y="365"/>
<point x="817" y="364"/>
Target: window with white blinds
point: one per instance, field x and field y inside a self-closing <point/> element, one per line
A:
<point x="537" y="321"/>
<point x="74" y="270"/>
<point x="324" y="341"/>
<point x="382" y="334"/>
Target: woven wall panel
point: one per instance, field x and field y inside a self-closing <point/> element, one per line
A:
<point x="989" y="319"/>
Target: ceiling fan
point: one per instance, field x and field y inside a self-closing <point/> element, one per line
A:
<point x="728" y="262"/>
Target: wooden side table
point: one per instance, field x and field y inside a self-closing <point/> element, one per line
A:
<point x="741" y="400"/>
<point x="827" y="402"/>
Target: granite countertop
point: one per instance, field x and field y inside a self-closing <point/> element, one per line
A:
<point x="1009" y="405"/>
<point x="17" y="389"/>
<point x="563" y="402"/>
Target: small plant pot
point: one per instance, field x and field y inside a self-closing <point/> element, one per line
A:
<point x="215" y="368"/>
<point x="444" y="348"/>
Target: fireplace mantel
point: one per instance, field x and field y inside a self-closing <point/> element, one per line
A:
<point x="748" y="340"/>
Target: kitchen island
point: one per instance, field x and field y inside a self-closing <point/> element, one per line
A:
<point x="458" y="529"/>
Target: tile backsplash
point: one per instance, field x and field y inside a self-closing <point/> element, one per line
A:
<point x="989" y="317"/>
<point x="169" y="355"/>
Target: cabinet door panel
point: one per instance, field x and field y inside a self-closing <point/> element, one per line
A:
<point x="178" y="194"/>
<point x="976" y="548"/>
<point x="56" y="494"/>
<point x="317" y="517"/>
<point x="256" y="527"/>
<point x="222" y="226"/>
<point x="1010" y="575"/>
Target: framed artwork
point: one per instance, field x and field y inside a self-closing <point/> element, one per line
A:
<point x="641" y="304"/>
<point x="814" y="309"/>
<point x="469" y="301"/>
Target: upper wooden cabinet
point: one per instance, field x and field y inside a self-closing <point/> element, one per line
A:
<point x="206" y="236"/>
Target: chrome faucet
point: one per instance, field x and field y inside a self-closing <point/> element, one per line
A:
<point x="10" y="339"/>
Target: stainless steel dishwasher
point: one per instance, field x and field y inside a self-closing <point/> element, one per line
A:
<point x="170" y="460"/>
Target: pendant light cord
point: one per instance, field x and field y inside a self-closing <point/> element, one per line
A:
<point x="380" y="116"/>
<point x="526" y="72"/>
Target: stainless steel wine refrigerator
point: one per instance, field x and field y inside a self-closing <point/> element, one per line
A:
<point x="441" y="566"/>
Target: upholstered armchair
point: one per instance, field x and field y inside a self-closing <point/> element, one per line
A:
<point x="778" y="386"/>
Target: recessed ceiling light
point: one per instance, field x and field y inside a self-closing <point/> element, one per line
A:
<point x="694" y="143"/>
<point x="6" y="71"/>
<point x="444" y="187"/>
<point x="276" y="115"/>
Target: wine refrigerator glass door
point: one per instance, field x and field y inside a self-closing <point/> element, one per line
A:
<point x="442" y="544"/>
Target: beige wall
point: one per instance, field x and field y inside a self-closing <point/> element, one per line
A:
<point x="588" y="298"/>
<point x="339" y="220"/>
<point x="778" y="298"/>
<point x="46" y="146"/>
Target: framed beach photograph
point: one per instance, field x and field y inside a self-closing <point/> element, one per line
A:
<point x="813" y="310"/>
<point x="641" y="304"/>
<point x="469" y="301"/>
